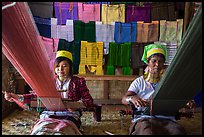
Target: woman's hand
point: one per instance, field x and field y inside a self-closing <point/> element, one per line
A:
<point x="9" y="96"/>
<point x="138" y="102"/>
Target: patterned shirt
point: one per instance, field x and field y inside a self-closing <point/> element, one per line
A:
<point x="75" y="89"/>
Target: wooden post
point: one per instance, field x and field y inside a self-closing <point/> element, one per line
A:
<point x="188" y="12"/>
<point x="106" y="89"/>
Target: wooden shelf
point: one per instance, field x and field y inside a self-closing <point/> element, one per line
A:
<point x="104" y="77"/>
<point x="108" y="77"/>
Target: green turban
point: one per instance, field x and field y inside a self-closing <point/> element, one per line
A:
<point x="153" y="49"/>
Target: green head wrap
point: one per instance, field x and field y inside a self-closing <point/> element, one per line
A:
<point x="153" y="49"/>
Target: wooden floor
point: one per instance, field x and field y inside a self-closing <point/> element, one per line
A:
<point x="20" y="122"/>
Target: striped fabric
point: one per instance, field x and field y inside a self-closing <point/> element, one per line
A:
<point x="54" y="28"/>
<point x="84" y="31"/>
<point x="147" y="32"/>
<point x="97" y="2"/>
<point x="125" y="32"/>
<point x="105" y="34"/>
<point x="112" y="13"/>
<point x="91" y="56"/>
<point x="62" y="31"/>
<point x="171" y="31"/>
<point x="51" y="45"/>
<point x="119" y="56"/>
<point x="138" y="13"/>
<point x="64" y="11"/>
<point x="89" y="12"/>
<point x="171" y="51"/>
<point x="43" y="25"/>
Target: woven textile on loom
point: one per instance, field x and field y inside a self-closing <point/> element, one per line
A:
<point x="24" y="48"/>
<point x="183" y="77"/>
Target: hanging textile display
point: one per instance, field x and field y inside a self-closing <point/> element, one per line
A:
<point x="59" y="31"/>
<point x="70" y="30"/>
<point x="105" y="34"/>
<point x="163" y="11"/>
<point x="24" y="48"/>
<point x="125" y="58"/>
<point x="137" y="50"/>
<point x="54" y="28"/>
<point x="138" y="13"/>
<point x="51" y="45"/>
<point x="97" y="2"/>
<point x="65" y="10"/>
<point x="74" y="47"/>
<point x="171" y="31"/>
<point x="41" y="9"/>
<point x="112" y="13"/>
<point x="171" y="51"/>
<point x="89" y="32"/>
<point x="62" y="31"/>
<point x="179" y="31"/>
<point x="89" y="12"/>
<point x="44" y="26"/>
<point x="78" y="30"/>
<point x="147" y="32"/>
<point x="84" y="31"/>
<point x="126" y="3"/>
<point x="162" y="36"/>
<point x="183" y="77"/>
<point x="125" y="32"/>
<point x="119" y="55"/>
<point x="112" y="58"/>
<point x="91" y="56"/>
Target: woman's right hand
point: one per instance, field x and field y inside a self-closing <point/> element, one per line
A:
<point x="138" y="102"/>
<point x="9" y="96"/>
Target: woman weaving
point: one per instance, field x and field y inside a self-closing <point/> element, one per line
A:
<point x="140" y="92"/>
<point x="69" y="86"/>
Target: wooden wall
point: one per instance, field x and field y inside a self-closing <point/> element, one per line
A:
<point x="8" y="84"/>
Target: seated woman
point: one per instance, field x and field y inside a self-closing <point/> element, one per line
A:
<point x="70" y="87"/>
<point x="140" y="92"/>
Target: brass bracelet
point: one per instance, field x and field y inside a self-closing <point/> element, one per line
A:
<point x="20" y="98"/>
